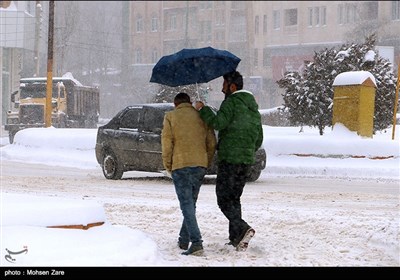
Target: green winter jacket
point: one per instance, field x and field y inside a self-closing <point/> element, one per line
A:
<point x="239" y="127"/>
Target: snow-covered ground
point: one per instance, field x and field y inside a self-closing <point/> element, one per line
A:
<point x="338" y="153"/>
<point x="330" y="200"/>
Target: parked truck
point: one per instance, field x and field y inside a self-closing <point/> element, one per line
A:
<point x="73" y="105"/>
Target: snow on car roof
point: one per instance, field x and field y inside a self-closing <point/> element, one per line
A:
<point x="158" y="105"/>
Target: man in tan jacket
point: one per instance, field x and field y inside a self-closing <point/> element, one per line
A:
<point x="188" y="147"/>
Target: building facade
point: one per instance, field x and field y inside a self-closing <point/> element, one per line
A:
<point x="271" y="37"/>
<point x="18" y="23"/>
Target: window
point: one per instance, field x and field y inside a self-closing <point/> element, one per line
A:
<point x="310" y="17"/>
<point x="350" y="13"/>
<point x="347" y="13"/>
<point x="152" y="119"/>
<point x="62" y="90"/>
<point x="395" y="10"/>
<point x="219" y="17"/>
<point x="316" y="16"/>
<point x="139" y="24"/>
<point x="267" y="62"/>
<point x="154" y="23"/>
<point x="371" y="10"/>
<point x="290" y="17"/>
<point x="265" y="24"/>
<point x="154" y="55"/>
<point x="340" y="14"/>
<point x="131" y="119"/>
<point x="256" y="57"/>
<point x="171" y="22"/>
<point x="205" y="31"/>
<point x="256" y="25"/>
<point x="347" y="16"/>
<point x="323" y="16"/>
<point x="138" y="56"/>
<point x="277" y="19"/>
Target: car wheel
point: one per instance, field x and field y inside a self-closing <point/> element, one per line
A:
<point x="258" y="167"/>
<point x="254" y="174"/>
<point x="112" y="169"/>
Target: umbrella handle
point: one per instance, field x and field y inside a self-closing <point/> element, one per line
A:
<point x="197" y="90"/>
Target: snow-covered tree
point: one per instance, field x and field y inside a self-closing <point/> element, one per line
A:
<point x="293" y="99"/>
<point x="167" y="94"/>
<point x="385" y="94"/>
<point x="318" y="94"/>
<point x="308" y="95"/>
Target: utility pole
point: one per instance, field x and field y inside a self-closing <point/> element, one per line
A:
<point x="125" y="56"/>
<point x="49" y="88"/>
<point x="38" y="15"/>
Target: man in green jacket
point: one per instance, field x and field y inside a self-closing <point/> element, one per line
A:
<point x="188" y="147"/>
<point x="240" y="134"/>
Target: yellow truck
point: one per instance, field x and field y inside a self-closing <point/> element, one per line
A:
<point x="73" y="105"/>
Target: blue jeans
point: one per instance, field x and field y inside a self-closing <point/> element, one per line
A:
<point x="187" y="183"/>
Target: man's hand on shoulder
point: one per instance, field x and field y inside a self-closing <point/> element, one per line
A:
<point x="198" y="105"/>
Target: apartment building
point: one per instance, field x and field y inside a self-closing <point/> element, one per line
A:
<point x="270" y="37"/>
<point x="17" y="29"/>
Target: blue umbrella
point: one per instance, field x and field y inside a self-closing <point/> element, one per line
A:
<point x="193" y="66"/>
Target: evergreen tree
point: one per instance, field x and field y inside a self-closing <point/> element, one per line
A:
<point x="167" y="94"/>
<point x="293" y="98"/>
<point x="385" y="94"/>
<point x="311" y="92"/>
<point x="318" y="77"/>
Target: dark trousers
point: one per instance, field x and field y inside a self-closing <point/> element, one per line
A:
<point x="231" y="179"/>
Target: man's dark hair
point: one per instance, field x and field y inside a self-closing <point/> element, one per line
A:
<point x="181" y="97"/>
<point x="234" y="78"/>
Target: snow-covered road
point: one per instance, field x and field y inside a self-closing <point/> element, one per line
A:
<point x="298" y="221"/>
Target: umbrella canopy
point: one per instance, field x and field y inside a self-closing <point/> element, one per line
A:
<point x="193" y="66"/>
